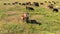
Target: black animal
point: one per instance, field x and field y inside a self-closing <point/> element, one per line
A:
<point x="5" y="3"/>
<point x="23" y="3"/>
<point x="35" y="3"/>
<point x="29" y="8"/>
<point x="51" y="6"/>
<point x="28" y="3"/>
<point x="55" y="10"/>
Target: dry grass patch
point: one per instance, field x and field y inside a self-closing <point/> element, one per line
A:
<point x="12" y="16"/>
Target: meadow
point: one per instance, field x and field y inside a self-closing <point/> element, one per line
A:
<point x="10" y="22"/>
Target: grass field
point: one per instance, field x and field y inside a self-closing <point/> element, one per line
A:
<point x="10" y="22"/>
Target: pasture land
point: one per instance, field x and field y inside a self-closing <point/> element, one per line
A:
<point x="10" y="22"/>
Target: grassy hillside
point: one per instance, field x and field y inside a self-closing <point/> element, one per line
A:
<point x="10" y="22"/>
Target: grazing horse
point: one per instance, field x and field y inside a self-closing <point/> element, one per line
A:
<point x="25" y="17"/>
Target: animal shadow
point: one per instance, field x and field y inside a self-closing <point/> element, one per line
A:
<point x="33" y="22"/>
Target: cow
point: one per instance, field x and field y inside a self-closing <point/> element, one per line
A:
<point x="25" y="17"/>
<point x="5" y="3"/>
<point x="29" y="8"/>
<point x="51" y="6"/>
<point x="55" y="10"/>
<point x="35" y="3"/>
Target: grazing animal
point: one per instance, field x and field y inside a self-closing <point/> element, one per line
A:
<point x="29" y="8"/>
<point x="28" y="3"/>
<point x="25" y="17"/>
<point x="51" y="6"/>
<point x="23" y="3"/>
<point x="19" y="3"/>
<point x="35" y="3"/>
<point x="55" y="10"/>
<point x="54" y="2"/>
<point x="13" y="3"/>
<point x="16" y="2"/>
<point x="5" y="3"/>
<point x="42" y="3"/>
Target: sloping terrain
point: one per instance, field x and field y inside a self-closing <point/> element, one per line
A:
<point x="10" y="22"/>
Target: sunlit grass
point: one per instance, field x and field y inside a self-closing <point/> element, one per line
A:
<point x="50" y="20"/>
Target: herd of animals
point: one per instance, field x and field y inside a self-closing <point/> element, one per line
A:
<point x="25" y="16"/>
<point x="50" y="6"/>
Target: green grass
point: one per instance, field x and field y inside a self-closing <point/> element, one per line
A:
<point x="50" y="20"/>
